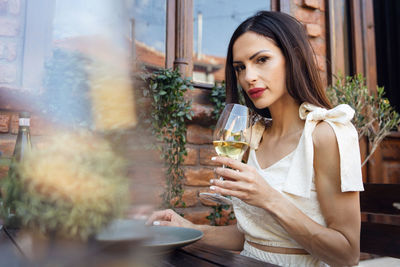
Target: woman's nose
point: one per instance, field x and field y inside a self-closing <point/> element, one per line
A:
<point x="251" y="75"/>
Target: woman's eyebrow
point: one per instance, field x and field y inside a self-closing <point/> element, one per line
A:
<point x="261" y="51"/>
<point x="253" y="56"/>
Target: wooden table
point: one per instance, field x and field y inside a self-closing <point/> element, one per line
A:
<point x="11" y="254"/>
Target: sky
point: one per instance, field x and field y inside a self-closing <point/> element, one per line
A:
<point x="220" y="18"/>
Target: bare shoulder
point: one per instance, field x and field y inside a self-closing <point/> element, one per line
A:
<point x="324" y="137"/>
<point x="326" y="159"/>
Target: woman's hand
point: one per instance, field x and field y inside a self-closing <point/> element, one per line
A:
<point x="168" y="218"/>
<point x="243" y="182"/>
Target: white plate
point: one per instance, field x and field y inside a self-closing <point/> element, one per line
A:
<point x="166" y="238"/>
<point x="124" y="230"/>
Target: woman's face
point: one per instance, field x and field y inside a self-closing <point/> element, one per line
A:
<point x="260" y="69"/>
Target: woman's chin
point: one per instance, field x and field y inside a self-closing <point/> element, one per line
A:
<point x="260" y="105"/>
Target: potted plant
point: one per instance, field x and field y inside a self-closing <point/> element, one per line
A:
<point x="374" y="117"/>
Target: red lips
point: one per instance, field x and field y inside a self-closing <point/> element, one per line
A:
<point x="256" y="92"/>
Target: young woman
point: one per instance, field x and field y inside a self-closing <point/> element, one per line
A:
<point x="296" y="199"/>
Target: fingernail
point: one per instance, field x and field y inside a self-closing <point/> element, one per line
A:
<point x="211" y="181"/>
<point x="212" y="187"/>
<point x="156" y="223"/>
<point x="213" y="158"/>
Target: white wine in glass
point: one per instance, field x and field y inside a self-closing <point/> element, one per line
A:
<point x="231" y="139"/>
<point x="231" y="149"/>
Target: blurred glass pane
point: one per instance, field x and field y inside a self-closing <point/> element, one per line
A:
<point x="149" y="24"/>
<point x="214" y="23"/>
<point x="76" y="55"/>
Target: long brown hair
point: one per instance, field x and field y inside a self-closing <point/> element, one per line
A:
<point x="303" y="81"/>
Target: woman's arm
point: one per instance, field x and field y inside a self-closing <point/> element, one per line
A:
<point x="226" y="237"/>
<point x="335" y="244"/>
<point x="338" y="243"/>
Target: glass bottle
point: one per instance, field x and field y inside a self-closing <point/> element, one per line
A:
<point x="23" y="142"/>
<point x="11" y="187"/>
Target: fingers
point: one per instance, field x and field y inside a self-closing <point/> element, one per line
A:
<point x="230" y="174"/>
<point x="162" y="223"/>
<point x="237" y="186"/>
<point x="234" y="164"/>
<point x="168" y="218"/>
<point x="227" y="192"/>
<point x="161" y="215"/>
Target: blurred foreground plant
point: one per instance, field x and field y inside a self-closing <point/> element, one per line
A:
<point x="71" y="188"/>
<point x="374" y="116"/>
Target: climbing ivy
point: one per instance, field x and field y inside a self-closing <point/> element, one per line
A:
<point x="218" y="99"/>
<point x="216" y="215"/>
<point x="169" y="110"/>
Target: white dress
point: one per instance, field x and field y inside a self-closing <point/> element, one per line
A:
<point x="293" y="177"/>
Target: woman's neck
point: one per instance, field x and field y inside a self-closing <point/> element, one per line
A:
<point x="285" y="118"/>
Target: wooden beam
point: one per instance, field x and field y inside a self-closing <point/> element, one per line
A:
<point x="357" y="37"/>
<point x="369" y="44"/>
<point x="274" y="4"/>
<point x="336" y="40"/>
<point x="184" y="37"/>
<point x="170" y="34"/>
<point x="375" y="166"/>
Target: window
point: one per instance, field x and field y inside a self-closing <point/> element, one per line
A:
<point x="148" y="22"/>
<point x="68" y="24"/>
<point x="214" y="23"/>
<point x="37" y="43"/>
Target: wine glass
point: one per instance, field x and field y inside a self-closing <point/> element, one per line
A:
<point x="231" y="139"/>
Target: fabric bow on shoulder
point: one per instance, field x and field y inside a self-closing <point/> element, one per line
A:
<point x="301" y="171"/>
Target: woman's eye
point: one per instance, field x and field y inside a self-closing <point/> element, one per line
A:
<point x="262" y="59"/>
<point x="239" y="68"/>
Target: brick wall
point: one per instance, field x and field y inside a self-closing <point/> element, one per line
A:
<point x="199" y="168"/>
<point x="312" y="14"/>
